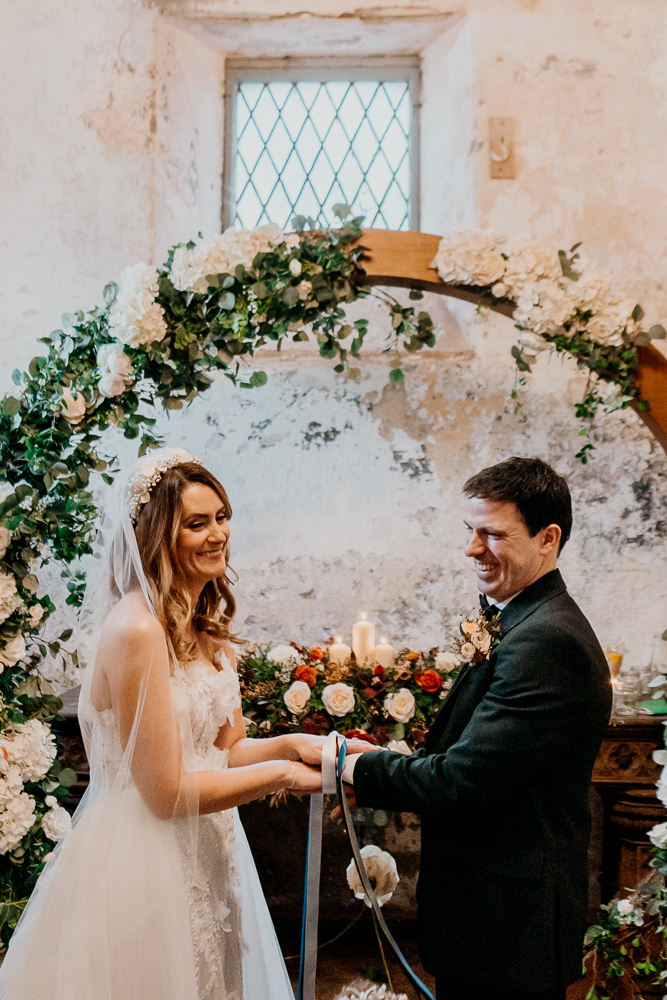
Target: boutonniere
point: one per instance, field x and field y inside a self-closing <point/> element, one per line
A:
<point x="478" y="637"/>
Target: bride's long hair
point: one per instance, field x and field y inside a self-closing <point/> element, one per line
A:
<point x="156" y="533"/>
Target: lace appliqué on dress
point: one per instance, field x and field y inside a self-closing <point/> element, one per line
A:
<point x="214" y="893"/>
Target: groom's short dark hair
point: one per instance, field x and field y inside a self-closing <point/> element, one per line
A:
<point x="541" y="496"/>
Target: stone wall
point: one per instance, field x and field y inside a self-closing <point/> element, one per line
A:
<point x="347" y="495"/>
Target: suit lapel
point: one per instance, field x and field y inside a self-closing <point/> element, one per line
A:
<point x="547" y="587"/>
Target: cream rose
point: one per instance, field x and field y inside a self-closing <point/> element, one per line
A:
<point x="13" y="652"/>
<point x="36" y="613"/>
<point x="295" y="267"/>
<point x="74" y="409"/>
<point x="381" y="870"/>
<point x="468" y="651"/>
<point x="338" y="699"/>
<point x="658" y="835"/>
<point x="481" y="641"/>
<point x="400" y="705"/>
<point x="5" y="539"/>
<point x="296" y="697"/>
<point x="305" y="288"/>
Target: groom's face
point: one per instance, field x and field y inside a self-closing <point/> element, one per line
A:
<point x="506" y="558"/>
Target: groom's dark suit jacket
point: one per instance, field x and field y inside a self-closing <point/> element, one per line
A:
<point x="502" y="791"/>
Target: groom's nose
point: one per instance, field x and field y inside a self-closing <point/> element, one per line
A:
<point x="474" y="546"/>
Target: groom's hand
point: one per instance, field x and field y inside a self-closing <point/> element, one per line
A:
<point x="337" y="813"/>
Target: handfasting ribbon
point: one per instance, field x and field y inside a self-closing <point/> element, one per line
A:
<point x="311" y="895"/>
<point x="419" y="987"/>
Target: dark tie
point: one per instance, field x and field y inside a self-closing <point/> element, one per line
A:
<point x="487" y="609"/>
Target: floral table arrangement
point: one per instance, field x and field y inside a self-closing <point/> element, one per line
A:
<point x="367" y="692"/>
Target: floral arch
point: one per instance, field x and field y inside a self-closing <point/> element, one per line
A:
<point x="213" y="306"/>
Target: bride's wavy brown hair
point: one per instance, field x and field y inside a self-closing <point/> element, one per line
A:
<point x="156" y="532"/>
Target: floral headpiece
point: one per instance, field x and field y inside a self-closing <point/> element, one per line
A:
<point x="150" y="474"/>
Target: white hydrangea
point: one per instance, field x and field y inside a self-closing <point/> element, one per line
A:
<point x="17" y="810"/>
<point x="528" y="262"/>
<point x="222" y="254"/>
<point x="31" y="747"/>
<point x="545" y="306"/>
<point x="470" y="258"/>
<point x="57" y="821"/>
<point x="9" y="599"/>
<point x="135" y="318"/>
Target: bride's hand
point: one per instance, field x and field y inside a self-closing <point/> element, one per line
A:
<point x="308" y="748"/>
<point x="303" y="779"/>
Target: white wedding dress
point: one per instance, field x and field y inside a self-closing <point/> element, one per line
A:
<point x="121" y="914"/>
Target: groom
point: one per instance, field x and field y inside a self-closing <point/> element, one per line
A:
<point x="502" y="783"/>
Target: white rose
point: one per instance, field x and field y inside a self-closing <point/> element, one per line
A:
<point x="5" y="539"/>
<point x="264" y="238"/>
<point x="56" y="822"/>
<point x="338" y="699"/>
<point x="400" y="705"/>
<point x="36" y="613"/>
<point x="283" y="654"/>
<point x="111" y="385"/>
<point x="13" y="651"/>
<point x="74" y="409"/>
<point x="446" y="662"/>
<point x="381" y="871"/>
<point x="292" y="240"/>
<point x="468" y="651"/>
<point x="658" y="835"/>
<point x="399" y="746"/>
<point x="624" y="906"/>
<point x="114" y="358"/>
<point x="296" y="697"/>
<point x="295" y="267"/>
<point x="9" y="599"/>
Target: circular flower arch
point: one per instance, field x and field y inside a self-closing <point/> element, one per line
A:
<point x="159" y="334"/>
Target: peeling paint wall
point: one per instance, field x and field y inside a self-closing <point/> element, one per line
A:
<point x="348" y="495"/>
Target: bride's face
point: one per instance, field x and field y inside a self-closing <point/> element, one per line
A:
<point x="203" y="534"/>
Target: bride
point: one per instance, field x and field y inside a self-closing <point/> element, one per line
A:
<point x="154" y="895"/>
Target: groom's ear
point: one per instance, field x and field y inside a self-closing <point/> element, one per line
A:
<point x="551" y="536"/>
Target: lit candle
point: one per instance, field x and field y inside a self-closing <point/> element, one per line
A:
<point x="363" y="638"/>
<point x="384" y="654"/>
<point x="338" y="651"/>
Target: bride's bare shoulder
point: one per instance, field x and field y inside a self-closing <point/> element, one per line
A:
<point x="131" y="621"/>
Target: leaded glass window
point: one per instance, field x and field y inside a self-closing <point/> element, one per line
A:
<point x="305" y="140"/>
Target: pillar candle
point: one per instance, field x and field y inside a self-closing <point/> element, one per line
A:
<point x="363" y="638"/>
<point x="338" y="651"/>
<point x="384" y="654"/>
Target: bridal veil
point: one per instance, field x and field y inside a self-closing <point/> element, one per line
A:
<point x="112" y="915"/>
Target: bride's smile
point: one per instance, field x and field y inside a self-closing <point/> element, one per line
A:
<point x="203" y="535"/>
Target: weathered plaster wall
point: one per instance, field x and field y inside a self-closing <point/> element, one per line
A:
<point x="349" y="494"/>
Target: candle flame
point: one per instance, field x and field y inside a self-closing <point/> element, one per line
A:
<point x="339" y="639"/>
<point x="383" y="640"/>
<point x="363" y="615"/>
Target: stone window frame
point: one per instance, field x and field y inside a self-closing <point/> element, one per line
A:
<point x="374" y="68"/>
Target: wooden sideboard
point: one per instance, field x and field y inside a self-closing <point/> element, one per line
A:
<point x="623" y="805"/>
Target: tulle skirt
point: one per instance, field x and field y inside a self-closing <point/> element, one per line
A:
<point x="119" y="914"/>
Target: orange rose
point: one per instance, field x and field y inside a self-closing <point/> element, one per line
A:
<point x="430" y="681"/>
<point x="411" y="657"/>
<point x="358" y="734"/>
<point x="307" y="674"/>
<point x="316" y="653"/>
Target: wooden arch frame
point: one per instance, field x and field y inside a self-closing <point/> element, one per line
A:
<point x="403" y="259"/>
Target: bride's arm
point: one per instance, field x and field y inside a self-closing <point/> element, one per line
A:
<point x="133" y="655"/>
<point x="244" y="750"/>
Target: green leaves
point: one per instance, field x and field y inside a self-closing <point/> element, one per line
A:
<point x="11" y="405"/>
<point x="259" y="379"/>
<point x="110" y="293"/>
<point x="396" y="376"/>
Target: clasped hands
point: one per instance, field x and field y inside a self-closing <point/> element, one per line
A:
<point x="307" y="750"/>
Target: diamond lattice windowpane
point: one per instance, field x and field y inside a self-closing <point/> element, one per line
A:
<point x="304" y="145"/>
